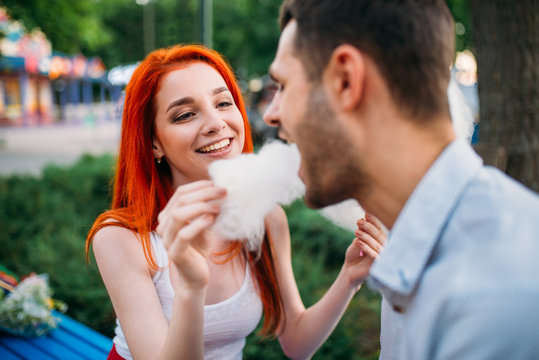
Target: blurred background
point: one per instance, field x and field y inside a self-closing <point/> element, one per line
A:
<point x="64" y="65"/>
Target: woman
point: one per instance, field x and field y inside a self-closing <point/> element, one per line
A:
<point x="178" y="290"/>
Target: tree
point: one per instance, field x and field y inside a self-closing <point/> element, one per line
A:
<point x="460" y="9"/>
<point x="71" y="26"/>
<point x="244" y="31"/>
<point x="506" y="39"/>
<point x="247" y="32"/>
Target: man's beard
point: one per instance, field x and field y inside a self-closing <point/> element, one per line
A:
<point x="331" y="169"/>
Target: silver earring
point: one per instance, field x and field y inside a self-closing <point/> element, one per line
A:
<point x="159" y="160"/>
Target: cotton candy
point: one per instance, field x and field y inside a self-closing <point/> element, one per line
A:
<point x="255" y="184"/>
<point x="344" y="214"/>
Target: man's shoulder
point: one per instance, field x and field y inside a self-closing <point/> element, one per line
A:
<point x="492" y="185"/>
<point x="490" y="241"/>
<point x="496" y="201"/>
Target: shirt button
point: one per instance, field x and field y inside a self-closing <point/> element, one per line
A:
<point x="398" y="308"/>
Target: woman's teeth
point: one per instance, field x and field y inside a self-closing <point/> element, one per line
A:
<point x="215" y="147"/>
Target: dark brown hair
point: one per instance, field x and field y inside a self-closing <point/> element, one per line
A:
<point x="410" y="41"/>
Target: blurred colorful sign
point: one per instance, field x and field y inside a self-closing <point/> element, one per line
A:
<point x="77" y="67"/>
<point x="36" y="50"/>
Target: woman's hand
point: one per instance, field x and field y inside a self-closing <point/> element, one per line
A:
<point x="368" y="243"/>
<point x="184" y="226"/>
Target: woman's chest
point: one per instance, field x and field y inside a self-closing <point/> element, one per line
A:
<point x="226" y="279"/>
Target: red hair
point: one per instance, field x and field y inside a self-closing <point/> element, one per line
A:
<point x="142" y="188"/>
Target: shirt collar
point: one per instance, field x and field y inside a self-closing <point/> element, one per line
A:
<point x="411" y="241"/>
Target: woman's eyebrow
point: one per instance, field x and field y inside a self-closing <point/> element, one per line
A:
<point x="190" y="100"/>
<point x="181" y="101"/>
<point x="220" y="90"/>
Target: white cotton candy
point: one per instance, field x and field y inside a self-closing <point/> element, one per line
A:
<point x="344" y="214"/>
<point x="255" y="184"/>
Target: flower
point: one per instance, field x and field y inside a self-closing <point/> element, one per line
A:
<point x="27" y="310"/>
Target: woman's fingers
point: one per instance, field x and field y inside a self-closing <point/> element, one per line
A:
<point x="189" y="250"/>
<point x="190" y="236"/>
<point x="187" y="188"/>
<point x="182" y="190"/>
<point x="371" y="229"/>
<point x="196" y="189"/>
<point x="369" y="242"/>
<point x="200" y="194"/>
<point x="375" y="221"/>
<point x="180" y="217"/>
<point x="205" y="194"/>
<point x="366" y="250"/>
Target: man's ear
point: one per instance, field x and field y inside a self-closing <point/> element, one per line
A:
<point x="345" y="76"/>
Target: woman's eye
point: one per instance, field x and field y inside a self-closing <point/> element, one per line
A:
<point x="185" y="116"/>
<point x="224" y="104"/>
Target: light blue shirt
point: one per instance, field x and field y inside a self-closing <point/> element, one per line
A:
<point x="460" y="272"/>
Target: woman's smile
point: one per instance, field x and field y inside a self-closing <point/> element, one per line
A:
<point x="216" y="147"/>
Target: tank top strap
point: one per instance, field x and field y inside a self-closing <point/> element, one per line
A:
<point x="159" y="250"/>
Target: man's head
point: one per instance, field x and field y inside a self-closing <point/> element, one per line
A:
<point x="411" y="42"/>
<point x="337" y="64"/>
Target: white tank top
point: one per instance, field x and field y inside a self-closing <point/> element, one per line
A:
<point x="226" y="324"/>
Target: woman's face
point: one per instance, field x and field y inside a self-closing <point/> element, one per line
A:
<point x="197" y="122"/>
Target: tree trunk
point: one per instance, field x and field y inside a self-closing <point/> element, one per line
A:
<point x="506" y="41"/>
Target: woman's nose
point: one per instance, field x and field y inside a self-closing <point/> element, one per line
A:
<point x="215" y="122"/>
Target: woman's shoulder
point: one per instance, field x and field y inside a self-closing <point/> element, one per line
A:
<point x="277" y="226"/>
<point x="119" y="250"/>
<point x="112" y="233"/>
<point x="116" y="241"/>
<point x="277" y="218"/>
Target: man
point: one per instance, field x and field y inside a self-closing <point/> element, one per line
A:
<point x="362" y="92"/>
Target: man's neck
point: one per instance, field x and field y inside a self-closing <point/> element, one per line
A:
<point x="397" y="165"/>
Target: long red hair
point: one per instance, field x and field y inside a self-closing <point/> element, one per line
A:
<point x="142" y="188"/>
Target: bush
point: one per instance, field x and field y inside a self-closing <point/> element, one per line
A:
<point x="44" y="222"/>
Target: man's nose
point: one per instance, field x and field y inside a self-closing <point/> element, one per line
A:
<point x="271" y="115"/>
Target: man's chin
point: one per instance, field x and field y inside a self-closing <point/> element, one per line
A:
<point x="316" y="199"/>
<point x="316" y="202"/>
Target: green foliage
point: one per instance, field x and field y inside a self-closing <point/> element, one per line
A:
<point x="71" y="26"/>
<point x="44" y="223"/>
<point x="460" y="9"/>
<point x="245" y="31"/>
<point x="175" y="22"/>
<point x="45" y="220"/>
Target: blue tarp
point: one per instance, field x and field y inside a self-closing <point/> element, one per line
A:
<point x="71" y="340"/>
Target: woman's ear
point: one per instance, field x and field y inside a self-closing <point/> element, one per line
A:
<point x="344" y="76"/>
<point x="157" y="148"/>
